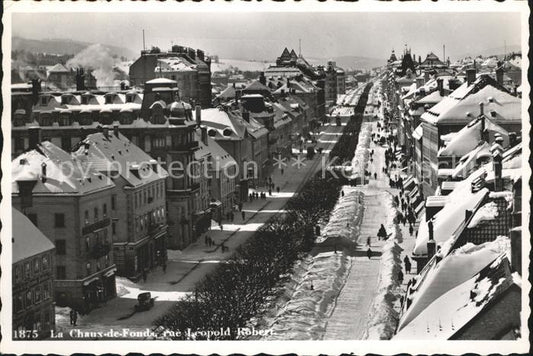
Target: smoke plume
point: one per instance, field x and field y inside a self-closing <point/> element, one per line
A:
<point x="99" y="59"/>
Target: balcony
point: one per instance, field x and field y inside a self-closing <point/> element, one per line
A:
<point x="87" y="229"/>
<point x="99" y="250"/>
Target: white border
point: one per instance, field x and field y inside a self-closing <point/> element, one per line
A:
<point x="272" y="347"/>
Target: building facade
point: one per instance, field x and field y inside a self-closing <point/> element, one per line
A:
<point x="33" y="266"/>
<point x="73" y="208"/>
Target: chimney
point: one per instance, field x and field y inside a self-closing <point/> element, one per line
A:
<point x="35" y="138"/>
<point x="431" y="244"/>
<point x="440" y="86"/>
<point x="419" y="82"/>
<point x="200" y="54"/>
<point x="115" y="130"/>
<point x="35" y="90"/>
<point x="26" y="192"/>
<point x="203" y="131"/>
<point x="192" y="53"/>
<point x="516" y="250"/>
<point x="262" y="78"/>
<point x="468" y="215"/>
<point x="499" y="75"/>
<point x="426" y="76"/>
<point x="43" y="172"/>
<point x="198" y="112"/>
<point x="80" y="80"/>
<point x="497" y="164"/>
<point x="470" y="75"/>
<point x="246" y="116"/>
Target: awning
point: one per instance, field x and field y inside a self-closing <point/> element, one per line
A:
<point x="419" y="208"/>
<point x="408" y="183"/>
<point x="110" y="272"/>
<point x="417" y="133"/>
<point x="91" y="280"/>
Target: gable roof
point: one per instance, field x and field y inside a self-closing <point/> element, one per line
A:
<point x="58" y="68"/>
<point x="112" y="153"/>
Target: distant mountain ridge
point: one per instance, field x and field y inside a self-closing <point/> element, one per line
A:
<point x="64" y="46"/>
<point x="496" y="51"/>
<point x="350" y="62"/>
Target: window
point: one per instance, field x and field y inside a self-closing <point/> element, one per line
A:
<point x="113" y="202"/>
<point x="19" y="303"/>
<point x="45" y="262"/>
<point x="36" y="265"/>
<point x="27" y="270"/>
<point x="17" y="273"/>
<point x="105" y="236"/>
<point x="61" y="247"/>
<point x="46" y="290"/>
<point x="105" y="210"/>
<point x="33" y="218"/>
<point x="95" y="214"/>
<point x="61" y="272"/>
<point x="87" y="243"/>
<point x="114" y="228"/>
<point x="38" y="294"/>
<point x="59" y="219"/>
<point x="29" y="299"/>
<point x="88" y="268"/>
<point x="44" y="100"/>
<point x="86" y="217"/>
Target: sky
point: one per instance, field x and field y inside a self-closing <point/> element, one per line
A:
<point x="262" y="36"/>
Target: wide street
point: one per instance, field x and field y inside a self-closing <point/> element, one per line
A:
<point x="186" y="268"/>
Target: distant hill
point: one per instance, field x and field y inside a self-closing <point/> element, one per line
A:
<point x="242" y="64"/>
<point x="64" y="46"/>
<point x="496" y="51"/>
<point x="350" y="62"/>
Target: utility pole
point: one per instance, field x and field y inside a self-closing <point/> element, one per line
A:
<point x="299" y="47"/>
<point x="444" y="53"/>
<point x="144" y="43"/>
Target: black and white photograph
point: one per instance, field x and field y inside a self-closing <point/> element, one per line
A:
<point x="175" y="177"/>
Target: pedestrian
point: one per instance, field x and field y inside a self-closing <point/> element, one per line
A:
<point x="400" y="276"/>
<point x="73" y="317"/>
<point x="232" y="216"/>
<point x="243" y="214"/>
<point x="407" y="263"/>
<point x="375" y="175"/>
<point x="240" y="206"/>
<point x="282" y="170"/>
<point x="206" y="238"/>
<point x="278" y="189"/>
<point x="342" y="193"/>
<point x="369" y="253"/>
<point x="368" y="241"/>
<point x="270" y="192"/>
<point x="145" y="277"/>
<point x="164" y="267"/>
<point x="221" y="227"/>
<point x="382" y="233"/>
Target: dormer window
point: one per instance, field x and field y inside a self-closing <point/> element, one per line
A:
<point x="129" y="98"/>
<point x="44" y="100"/>
<point x="109" y="99"/>
<point x="84" y="100"/>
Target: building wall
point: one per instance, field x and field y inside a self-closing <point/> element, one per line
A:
<point x="81" y="237"/>
<point x="32" y="293"/>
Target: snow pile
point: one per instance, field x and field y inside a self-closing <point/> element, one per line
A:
<point x="345" y="217"/>
<point x="384" y="317"/>
<point x="305" y="301"/>
<point x="487" y="212"/>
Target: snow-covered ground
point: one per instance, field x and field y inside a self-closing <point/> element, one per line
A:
<point x="243" y="65"/>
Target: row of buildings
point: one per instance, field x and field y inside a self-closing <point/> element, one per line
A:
<point x="460" y="131"/>
<point x="114" y="178"/>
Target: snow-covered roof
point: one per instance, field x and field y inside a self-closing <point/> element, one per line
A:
<point x="28" y="240"/>
<point x="468" y="161"/>
<point x="112" y="153"/>
<point x="438" y="277"/>
<point x="161" y="81"/>
<point x="64" y="174"/>
<point x="58" y="68"/>
<point x="453" y="310"/>
<point x="451" y="217"/>
<point x="227" y="125"/>
<point x="468" y="137"/>
<point x="465" y="99"/>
